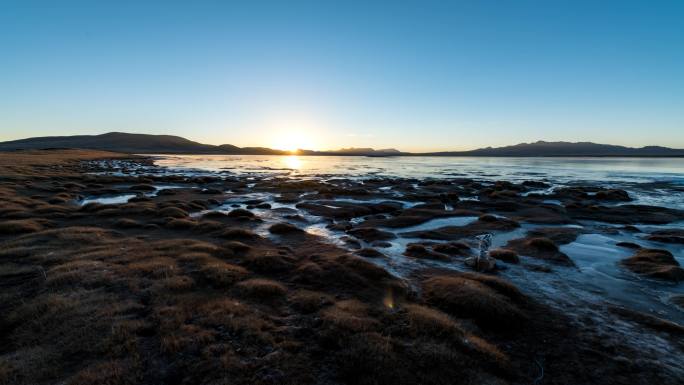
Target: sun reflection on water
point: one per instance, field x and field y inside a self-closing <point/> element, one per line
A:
<point x="293" y="162"/>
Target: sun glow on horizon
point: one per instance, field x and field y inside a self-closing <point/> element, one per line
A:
<point x="292" y="141"/>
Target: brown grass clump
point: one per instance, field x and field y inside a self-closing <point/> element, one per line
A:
<point x="85" y="273"/>
<point x="269" y="261"/>
<point x="174" y="283"/>
<point x="468" y="298"/>
<point x="260" y="288"/>
<point x="127" y="223"/>
<point x="246" y="323"/>
<point x="284" y="228"/>
<point x="180" y="224"/>
<point x="423" y="320"/>
<point x="221" y="274"/>
<point x="505" y="255"/>
<point x="539" y="247"/>
<point x="240" y="213"/>
<point x="655" y="263"/>
<point x="179" y="246"/>
<point x="349" y="316"/>
<point x="238" y="233"/>
<point x="415" y="250"/>
<point x="236" y="247"/>
<point x="208" y="227"/>
<point x="487" y="349"/>
<point x="156" y="267"/>
<point x="142" y="187"/>
<point x="21" y="226"/>
<point x="499" y="284"/>
<point x="173" y="212"/>
<point x="542" y="244"/>
<point x="307" y="301"/>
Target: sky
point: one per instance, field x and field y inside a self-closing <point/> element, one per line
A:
<point x="412" y="75"/>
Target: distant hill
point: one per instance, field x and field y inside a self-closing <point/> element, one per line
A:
<point x="168" y="144"/>
<point x="364" y="151"/>
<point x="542" y="148"/>
<point x="132" y="143"/>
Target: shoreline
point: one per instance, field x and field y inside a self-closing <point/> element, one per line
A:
<point x="204" y="282"/>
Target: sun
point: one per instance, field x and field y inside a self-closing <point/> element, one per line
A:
<point x="292" y="141"/>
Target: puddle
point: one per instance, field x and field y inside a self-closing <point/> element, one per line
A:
<point x="108" y="200"/>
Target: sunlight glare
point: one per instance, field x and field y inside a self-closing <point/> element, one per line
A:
<point x="293" y="162"/>
<point x="292" y="141"/>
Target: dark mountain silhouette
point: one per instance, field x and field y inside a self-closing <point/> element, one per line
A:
<point x="542" y="148"/>
<point x="366" y="151"/>
<point x="133" y="143"/>
<point x="168" y="144"/>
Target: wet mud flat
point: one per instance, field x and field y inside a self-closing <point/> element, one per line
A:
<point x="114" y="271"/>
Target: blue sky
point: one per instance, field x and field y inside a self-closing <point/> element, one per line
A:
<point x="412" y="75"/>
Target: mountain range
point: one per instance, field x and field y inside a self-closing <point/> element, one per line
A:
<point x="168" y="144"/>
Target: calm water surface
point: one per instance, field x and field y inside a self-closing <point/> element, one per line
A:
<point x="557" y="169"/>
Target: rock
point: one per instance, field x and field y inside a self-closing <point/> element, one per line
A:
<point x="142" y="187"/>
<point x="166" y="192"/>
<point x="370" y="234"/>
<point x="453" y="248"/>
<point x="340" y="226"/>
<point x="370" y="253"/>
<point x="613" y="195"/>
<point x="240" y="213"/>
<point x="626" y="214"/>
<point x="628" y="245"/>
<point x="654" y="263"/>
<point x="505" y="255"/>
<point x="416" y="250"/>
<point x="559" y="235"/>
<point x="667" y="236"/>
<point x="535" y="184"/>
<point x="351" y="242"/>
<point x="215" y="215"/>
<point x="538" y="247"/>
<point x="483" y="264"/>
<point x="284" y="228"/>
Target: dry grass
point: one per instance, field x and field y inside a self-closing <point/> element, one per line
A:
<point x="655" y="263"/>
<point x="468" y="298"/>
<point x="349" y="316"/>
<point x="113" y="372"/>
<point x="259" y="288"/>
<point x="269" y="261"/>
<point x="238" y="233"/>
<point x="172" y="212"/>
<point x="307" y="301"/>
<point x="423" y="320"/>
<point x="21" y="226"/>
<point x="221" y="274"/>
